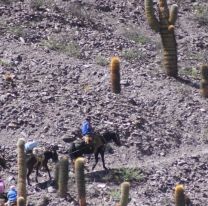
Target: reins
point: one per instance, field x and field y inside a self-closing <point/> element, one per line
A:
<point x="79" y="150"/>
<point x="104" y="142"/>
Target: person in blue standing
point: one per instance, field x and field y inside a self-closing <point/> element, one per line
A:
<point x="87" y="130"/>
<point x="12" y="196"/>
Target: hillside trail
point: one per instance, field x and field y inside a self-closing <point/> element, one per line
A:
<point x="159" y="162"/>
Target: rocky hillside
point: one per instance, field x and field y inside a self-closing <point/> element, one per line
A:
<point x="54" y="70"/>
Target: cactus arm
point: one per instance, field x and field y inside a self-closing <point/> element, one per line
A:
<point x="21" y="162"/>
<point x="63" y="169"/>
<point x="80" y="180"/>
<point x="21" y="201"/>
<point x="151" y="18"/>
<point x="115" y="75"/>
<point x="204" y="80"/>
<point x="163" y="3"/>
<point x="179" y="196"/>
<point x="125" y="186"/>
<point x="173" y="14"/>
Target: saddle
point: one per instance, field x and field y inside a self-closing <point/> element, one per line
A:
<point x="38" y="152"/>
<point x="87" y="139"/>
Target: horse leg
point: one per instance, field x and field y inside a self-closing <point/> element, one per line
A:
<point x="47" y="169"/>
<point x="102" y="152"/>
<point x="29" y="171"/>
<point x="37" y="170"/>
<point x="96" y="159"/>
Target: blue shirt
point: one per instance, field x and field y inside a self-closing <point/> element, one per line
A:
<point x="86" y="128"/>
<point x="12" y="195"/>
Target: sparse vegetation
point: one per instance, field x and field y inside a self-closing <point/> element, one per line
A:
<point x="201" y="12"/>
<point x="190" y="71"/>
<point x="17" y="31"/>
<point x="130" y="174"/>
<point x="37" y="4"/>
<point x="132" y="54"/>
<point x="204" y="135"/>
<point x="68" y="47"/>
<point x="101" y="60"/>
<point x="4" y="63"/>
<point x="41" y="4"/>
<point x="135" y="35"/>
<point x="125" y="174"/>
<point x="7" y="1"/>
<point x="115" y="194"/>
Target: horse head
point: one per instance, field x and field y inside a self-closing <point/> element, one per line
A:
<point x="54" y="154"/>
<point x="116" y="139"/>
<point x="114" y="136"/>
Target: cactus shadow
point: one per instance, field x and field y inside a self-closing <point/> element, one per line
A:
<point x="116" y="175"/>
<point x="44" y="185"/>
<point x="188" y="82"/>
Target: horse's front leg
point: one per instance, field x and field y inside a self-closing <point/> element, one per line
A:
<point x="96" y="160"/>
<point x="37" y="172"/>
<point x="47" y="169"/>
<point x="29" y="171"/>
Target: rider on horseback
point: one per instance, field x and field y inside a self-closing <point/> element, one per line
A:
<point x="87" y="131"/>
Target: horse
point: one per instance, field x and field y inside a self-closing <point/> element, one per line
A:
<point x="32" y="161"/>
<point x="78" y="149"/>
<point x="3" y="198"/>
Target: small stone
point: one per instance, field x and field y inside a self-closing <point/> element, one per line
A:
<point x="51" y="189"/>
<point x="22" y="40"/>
<point x="101" y="185"/>
<point x="203" y="110"/>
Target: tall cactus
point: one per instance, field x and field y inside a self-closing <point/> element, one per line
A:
<point x="165" y="26"/>
<point x="80" y="181"/>
<point x="125" y="186"/>
<point x="204" y="80"/>
<point x="56" y="175"/>
<point x="20" y="201"/>
<point x="115" y="75"/>
<point x="63" y="176"/>
<point x="180" y="199"/>
<point x="21" y="162"/>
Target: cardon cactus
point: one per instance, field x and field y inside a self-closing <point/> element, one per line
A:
<point x="180" y="199"/>
<point x="21" y="162"/>
<point x="204" y="80"/>
<point x="20" y="201"/>
<point x="125" y="186"/>
<point x="63" y="176"/>
<point x="80" y="181"/>
<point x="165" y="26"/>
<point x="56" y="175"/>
<point x="115" y="75"/>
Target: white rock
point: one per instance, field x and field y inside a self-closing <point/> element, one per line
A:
<point x="101" y="185"/>
<point x="51" y="189"/>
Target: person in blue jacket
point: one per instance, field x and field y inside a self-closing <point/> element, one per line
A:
<point x="12" y="196"/>
<point x="87" y="130"/>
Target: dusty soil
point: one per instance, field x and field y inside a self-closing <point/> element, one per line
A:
<point x="57" y="53"/>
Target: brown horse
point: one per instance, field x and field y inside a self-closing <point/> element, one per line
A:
<point x="78" y="149"/>
<point x="33" y="162"/>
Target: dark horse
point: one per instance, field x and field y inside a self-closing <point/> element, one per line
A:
<point x="33" y="162"/>
<point x="78" y="149"/>
<point x="3" y="198"/>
